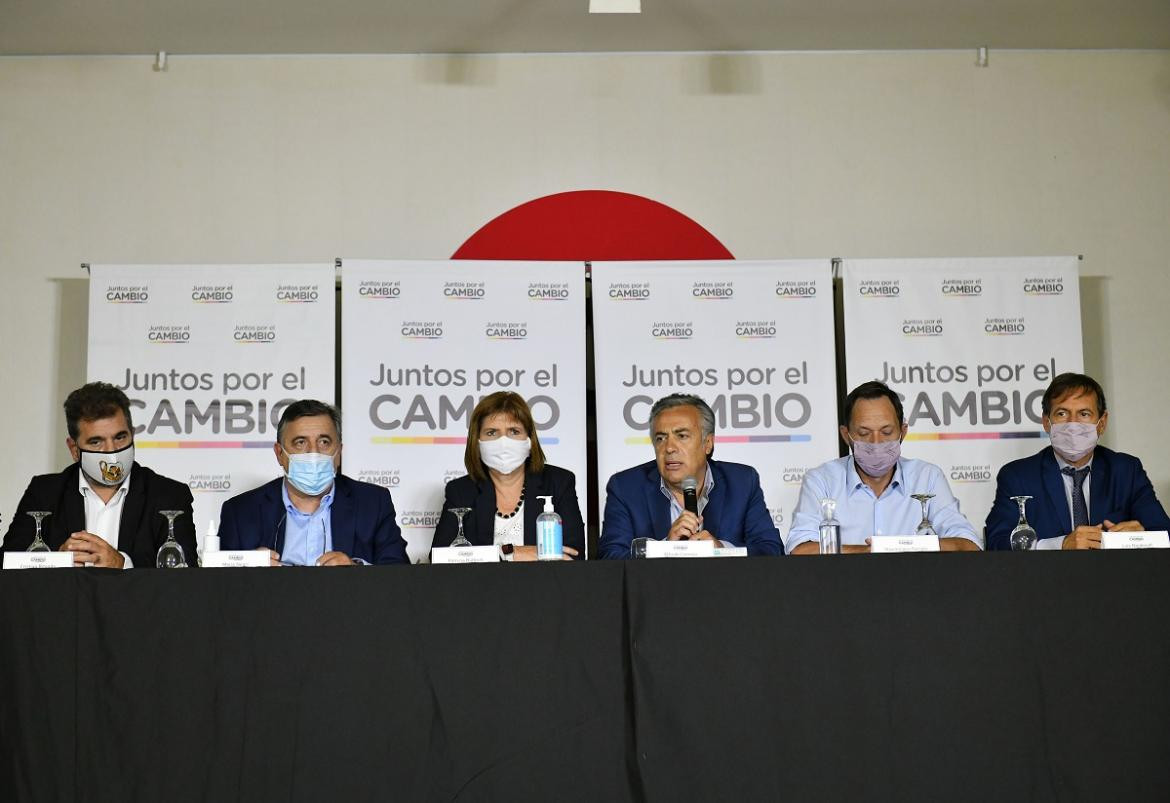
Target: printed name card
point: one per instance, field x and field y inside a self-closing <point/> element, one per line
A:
<point x="465" y="554"/>
<point x="38" y="560"/>
<point x="731" y="551"/>
<point x="235" y="558"/>
<point x="680" y="549"/>
<point x="1152" y="539"/>
<point x="904" y="543"/>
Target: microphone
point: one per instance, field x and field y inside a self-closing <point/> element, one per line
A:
<point x="690" y="498"/>
<point x="276" y="530"/>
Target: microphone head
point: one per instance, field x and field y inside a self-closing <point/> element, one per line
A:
<point x="690" y="484"/>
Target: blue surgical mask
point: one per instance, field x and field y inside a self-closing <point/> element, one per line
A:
<point x="311" y="473"/>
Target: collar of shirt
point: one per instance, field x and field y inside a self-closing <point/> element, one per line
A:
<point x="676" y="509"/>
<point x="1062" y="464"/>
<point x="291" y="509"/>
<point x="854" y="482"/>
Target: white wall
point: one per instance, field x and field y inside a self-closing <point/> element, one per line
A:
<point x="779" y="155"/>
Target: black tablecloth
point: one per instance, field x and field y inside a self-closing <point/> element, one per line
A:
<point x="885" y="677"/>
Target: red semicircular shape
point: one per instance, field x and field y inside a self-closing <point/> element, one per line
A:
<point x="592" y="226"/>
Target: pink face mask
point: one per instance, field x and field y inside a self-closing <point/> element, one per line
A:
<point x="875" y="459"/>
<point x="1073" y="440"/>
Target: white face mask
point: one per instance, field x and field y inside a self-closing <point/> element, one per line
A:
<point x="107" y="468"/>
<point x="504" y="454"/>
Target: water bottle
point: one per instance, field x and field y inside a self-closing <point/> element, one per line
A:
<point x="830" y="528"/>
<point x="548" y="533"/>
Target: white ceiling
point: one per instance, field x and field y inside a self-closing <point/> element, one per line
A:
<point x="49" y="27"/>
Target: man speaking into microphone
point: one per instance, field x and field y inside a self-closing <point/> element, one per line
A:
<point x="683" y="494"/>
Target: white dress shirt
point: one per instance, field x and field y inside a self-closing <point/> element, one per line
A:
<point x="104" y="518"/>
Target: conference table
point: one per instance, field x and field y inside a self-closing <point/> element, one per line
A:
<point x="1002" y="676"/>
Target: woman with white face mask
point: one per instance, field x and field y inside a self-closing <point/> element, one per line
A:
<point x="506" y="473"/>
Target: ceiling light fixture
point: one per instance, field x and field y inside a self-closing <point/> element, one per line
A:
<point x="615" y="6"/>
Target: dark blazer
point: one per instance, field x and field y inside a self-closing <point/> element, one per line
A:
<point x="635" y="507"/>
<point x="141" y="532"/>
<point x="1119" y="490"/>
<point x="479" y="525"/>
<point x="361" y="520"/>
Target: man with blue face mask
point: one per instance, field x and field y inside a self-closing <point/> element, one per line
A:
<point x="313" y="515"/>
<point x="105" y="507"/>
<point x="1078" y="488"/>
<point x="873" y="486"/>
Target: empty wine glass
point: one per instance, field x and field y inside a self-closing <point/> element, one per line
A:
<point x="460" y="512"/>
<point x="170" y="554"/>
<point x="924" y="526"/>
<point x="1023" y="537"/>
<point x="38" y="544"/>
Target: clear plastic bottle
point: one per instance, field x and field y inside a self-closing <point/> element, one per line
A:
<point x="549" y="544"/>
<point x="830" y="528"/>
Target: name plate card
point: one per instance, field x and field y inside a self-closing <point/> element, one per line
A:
<point x="680" y="549"/>
<point x="465" y="554"/>
<point x="1152" y="539"/>
<point x="38" y="560"/>
<point x="731" y="551"/>
<point x="904" y="543"/>
<point x="236" y="558"/>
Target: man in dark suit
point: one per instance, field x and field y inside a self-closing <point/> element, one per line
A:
<point x="647" y="501"/>
<point x="1078" y="488"/>
<point x="313" y="515"/>
<point x="105" y="507"/>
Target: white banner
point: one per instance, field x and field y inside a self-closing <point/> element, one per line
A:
<point x="970" y="345"/>
<point x="754" y="339"/>
<point x="425" y="341"/>
<point x="210" y="355"/>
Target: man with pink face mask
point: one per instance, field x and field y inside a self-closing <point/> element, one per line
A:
<point x="872" y="486"/>
<point x="1078" y="487"/>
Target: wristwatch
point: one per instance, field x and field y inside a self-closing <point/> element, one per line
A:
<point x="506" y="551"/>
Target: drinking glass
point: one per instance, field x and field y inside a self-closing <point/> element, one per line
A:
<point x="460" y="512"/>
<point x="170" y="554"/>
<point x="830" y="528"/>
<point x="1023" y="537"/>
<point x="924" y="526"/>
<point x="38" y="544"/>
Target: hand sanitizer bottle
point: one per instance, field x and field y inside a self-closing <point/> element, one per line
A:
<point x="549" y="545"/>
<point x="210" y="540"/>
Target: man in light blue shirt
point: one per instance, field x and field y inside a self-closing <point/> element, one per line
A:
<point x="873" y="485"/>
<point x="313" y="515"/>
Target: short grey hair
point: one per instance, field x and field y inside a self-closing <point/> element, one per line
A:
<point x="706" y="414"/>
<point x="305" y="408"/>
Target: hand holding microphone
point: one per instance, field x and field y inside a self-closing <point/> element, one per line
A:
<point x="689" y="523"/>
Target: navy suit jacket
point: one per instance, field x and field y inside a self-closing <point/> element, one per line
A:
<point x="1119" y="490"/>
<point x="635" y="507"/>
<point x="361" y="521"/>
<point x="479" y="526"/>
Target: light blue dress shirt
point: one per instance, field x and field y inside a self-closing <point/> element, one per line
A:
<point x="307" y="536"/>
<point x="676" y="509"/>
<point x="861" y="514"/>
